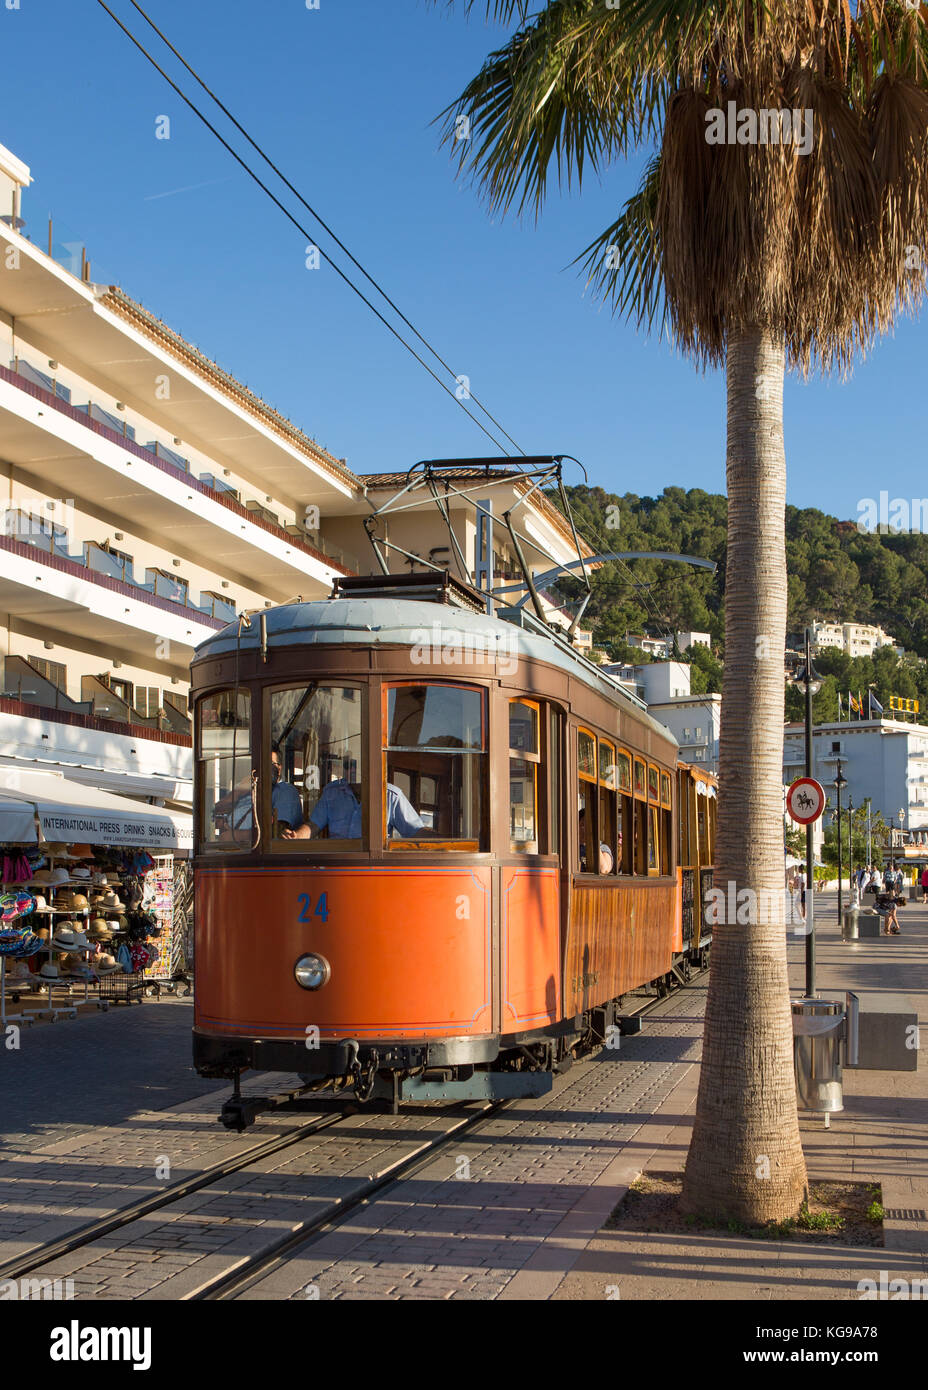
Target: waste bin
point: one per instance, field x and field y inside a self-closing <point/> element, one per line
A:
<point x="819" y="1029"/>
<point x="849" y="927"/>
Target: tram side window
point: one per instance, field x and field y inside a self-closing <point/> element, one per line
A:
<point x="224" y="768"/>
<point x="315" y="764"/>
<point x="555" y="745"/>
<point x="654" y="840"/>
<point x="587" y="805"/>
<point x="435" y="767"/>
<point x="609" y="830"/>
<point x="524" y="770"/>
<point x="626" y="811"/>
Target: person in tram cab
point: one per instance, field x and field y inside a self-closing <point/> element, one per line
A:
<point x="286" y="807"/>
<point x="338" y="811"/>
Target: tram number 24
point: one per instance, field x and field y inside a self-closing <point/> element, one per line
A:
<point x="322" y="907"/>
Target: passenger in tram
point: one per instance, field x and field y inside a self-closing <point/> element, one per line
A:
<point x="338" y="810"/>
<point x="606" y="859"/>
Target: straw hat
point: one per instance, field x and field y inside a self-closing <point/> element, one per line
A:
<point x="49" y="971"/>
<point x="79" y="902"/>
<point x="42" y="933"/>
<point x="105" y="964"/>
<point x="99" y="930"/>
<point x="69" y="964"/>
<point x="82" y="851"/>
<point x="80" y="872"/>
<point x="99" y="879"/>
<point x="65" y="936"/>
<point x="59" y="876"/>
<point x="111" y="901"/>
<point x="42" y="876"/>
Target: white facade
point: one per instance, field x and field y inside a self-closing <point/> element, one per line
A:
<point x="146" y="499"/>
<point x="694" y="720"/>
<point x="883" y="759"/>
<point x="685" y="640"/>
<point x="856" y="639"/>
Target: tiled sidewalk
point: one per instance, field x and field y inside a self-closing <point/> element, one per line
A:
<point x="881" y="1136"/>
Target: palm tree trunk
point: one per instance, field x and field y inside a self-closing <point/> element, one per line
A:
<point x="745" y="1160"/>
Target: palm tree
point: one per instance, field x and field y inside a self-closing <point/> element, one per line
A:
<point x="796" y="245"/>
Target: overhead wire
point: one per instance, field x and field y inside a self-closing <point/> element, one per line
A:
<point x="303" y="230"/>
<point x="319" y="218"/>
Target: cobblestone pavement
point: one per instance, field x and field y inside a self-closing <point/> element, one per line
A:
<point x="497" y="1215"/>
<point x="471" y="1224"/>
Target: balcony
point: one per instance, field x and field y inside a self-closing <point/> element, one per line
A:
<point x="34" y="534"/>
<point x="25" y="448"/>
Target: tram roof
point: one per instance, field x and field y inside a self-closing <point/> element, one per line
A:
<point x="409" y="622"/>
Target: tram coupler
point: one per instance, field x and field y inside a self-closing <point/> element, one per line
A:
<point x="241" y="1111"/>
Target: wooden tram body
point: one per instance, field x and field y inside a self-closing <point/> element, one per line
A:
<point x="475" y="956"/>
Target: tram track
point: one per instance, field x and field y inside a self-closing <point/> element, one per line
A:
<point x="228" y="1284"/>
<point x="94" y="1230"/>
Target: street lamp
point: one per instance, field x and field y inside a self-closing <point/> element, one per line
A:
<point x="813" y="684"/>
<point x="839" y="784"/>
<point x="850" y="851"/>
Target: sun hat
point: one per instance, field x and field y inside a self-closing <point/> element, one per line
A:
<point x="42" y="876"/>
<point x="60" y="875"/>
<point x="10" y="942"/>
<point x="111" y="900"/>
<point x="64" y="936"/>
<point x="99" y="926"/>
<point x="79" y="902"/>
<point x="42" y="933"/>
<point x="99" y="879"/>
<point x="49" y="971"/>
<point x="81" y="872"/>
<point x="105" y="964"/>
<point x="82" y="851"/>
<point x="40" y="904"/>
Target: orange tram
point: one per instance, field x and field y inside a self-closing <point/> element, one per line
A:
<point x="434" y="848"/>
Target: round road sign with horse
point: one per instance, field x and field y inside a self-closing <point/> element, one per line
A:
<point x="805" y="800"/>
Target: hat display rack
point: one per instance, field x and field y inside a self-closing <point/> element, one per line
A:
<point x="61" y="906"/>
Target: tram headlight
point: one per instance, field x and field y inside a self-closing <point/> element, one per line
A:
<point x="312" y="971"/>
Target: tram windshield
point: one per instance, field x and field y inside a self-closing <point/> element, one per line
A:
<point x="435" y="763"/>
<point x="315" y="764"/>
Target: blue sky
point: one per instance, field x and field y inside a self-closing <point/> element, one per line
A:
<point x="343" y="98"/>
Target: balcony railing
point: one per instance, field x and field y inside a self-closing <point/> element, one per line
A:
<point x="75" y="565"/>
<point x="28" y="709"/>
<point x="119" y="437"/>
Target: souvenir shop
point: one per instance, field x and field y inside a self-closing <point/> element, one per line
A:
<point x="97" y="919"/>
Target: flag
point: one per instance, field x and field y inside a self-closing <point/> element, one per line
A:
<point x="839" y="707"/>
<point x="875" y="704"/>
<point x="860" y="705"/>
<point x="852" y="706"/>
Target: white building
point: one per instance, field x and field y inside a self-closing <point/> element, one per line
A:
<point x="856" y="639"/>
<point x="147" y="499"/>
<point x="694" y="720"/>
<point x="883" y="759"/>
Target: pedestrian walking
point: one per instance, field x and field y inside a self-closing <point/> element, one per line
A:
<point x="925" y="884"/>
<point x="801" y="889"/>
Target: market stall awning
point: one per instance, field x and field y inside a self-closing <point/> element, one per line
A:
<point x="70" y="811"/>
